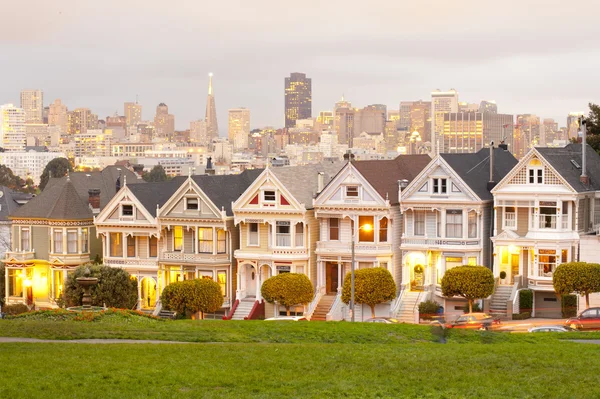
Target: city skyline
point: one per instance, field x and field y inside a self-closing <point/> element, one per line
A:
<point x="531" y="68"/>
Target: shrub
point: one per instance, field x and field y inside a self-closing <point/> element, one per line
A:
<point x="371" y="287"/>
<point x="288" y="289"/>
<point x="568" y="305"/>
<point x="428" y="309"/>
<point x="521" y="316"/>
<point x="502" y="274"/>
<point x="115" y="288"/>
<point x="192" y="296"/>
<point x="470" y="282"/>
<point x="577" y="277"/>
<point x="15" y="309"/>
<point x="525" y="301"/>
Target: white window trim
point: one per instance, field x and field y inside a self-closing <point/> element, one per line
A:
<point x="185" y="204"/>
<point x="358" y="192"/>
<point x="439" y="185"/>
<point x="257" y="234"/>
<point x="273" y="201"/>
<point x="535" y="174"/>
<point x="132" y="210"/>
<point x="504" y="226"/>
<point x="173" y="240"/>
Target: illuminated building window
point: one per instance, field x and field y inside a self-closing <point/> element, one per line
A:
<point x="177" y="238"/>
<point x="116" y="245"/>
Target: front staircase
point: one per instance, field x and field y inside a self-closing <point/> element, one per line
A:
<point x="323" y="307"/>
<point x="498" y="301"/>
<point x="408" y="307"/>
<point x="243" y="309"/>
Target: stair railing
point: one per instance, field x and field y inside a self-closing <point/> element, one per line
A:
<point x="313" y="305"/>
<point x="395" y="307"/>
<point x="232" y="311"/>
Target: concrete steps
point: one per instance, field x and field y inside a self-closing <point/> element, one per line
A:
<point x="498" y="301"/>
<point x="407" y="309"/>
<point x="323" y="307"/>
<point x="243" y="309"/>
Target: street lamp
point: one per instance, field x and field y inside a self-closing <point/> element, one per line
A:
<point x="366" y="227"/>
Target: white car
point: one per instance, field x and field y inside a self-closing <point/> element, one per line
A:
<point x="287" y="318"/>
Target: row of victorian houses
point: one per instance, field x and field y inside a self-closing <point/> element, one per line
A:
<point x="424" y="216"/>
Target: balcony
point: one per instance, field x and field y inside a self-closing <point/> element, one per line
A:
<point x="70" y="259"/>
<point x="176" y="256"/>
<point x="441" y="243"/>
<point x="345" y="248"/>
<point x="131" y="262"/>
<point x="551" y="222"/>
<point x="20" y="256"/>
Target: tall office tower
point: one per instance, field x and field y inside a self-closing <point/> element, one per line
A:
<point x="466" y="132"/>
<point x="164" y="122"/>
<point x="391" y="135"/>
<point x="212" y="127"/>
<point x="32" y="102"/>
<point x="93" y="122"/>
<point x="198" y="132"/>
<point x="527" y="134"/>
<point x="12" y="128"/>
<point x="488" y="106"/>
<point x="344" y="125"/>
<point x="57" y="116"/>
<point x="549" y="132"/>
<point x="370" y="119"/>
<point x="393" y="115"/>
<point x="80" y="120"/>
<point x="420" y="119"/>
<point x="442" y="102"/>
<point x="45" y="115"/>
<point x="404" y="119"/>
<point x="239" y="128"/>
<point x="573" y="124"/>
<point x="133" y="113"/>
<point x="325" y="120"/>
<point x="298" y="98"/>
<point x="467" y="107"/>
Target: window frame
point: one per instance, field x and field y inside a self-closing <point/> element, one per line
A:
<point x="439" y="185"/>
<point x="255" y="234"/>
<point x="193" y="199"/>
<point x="283" y="224"/>
<point x="71" y="241"/>
<point x="221" y="241"/>
<point x="458" y="214"/>
<point x="419" y="223"/>
<point x="150" y="246"/>
<point x="204" y="242"/>
<point x="352" y="191"/>
<point x="383" y="230"/>
<point x="28" y="230"/>
<point x="472" y="224"/>
<point x="56" y="241"/>
<point x="123" y="214"/>
<point x="85" y="240"/>
<point x="299" y="235"/>
<point x="270" y="201"/>
<point x="177" y="248"/>
<point x="336" y="228"/>
<point x="366" y="236"/>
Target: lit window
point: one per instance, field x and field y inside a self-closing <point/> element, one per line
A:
<point x="221" y="241"/>
<point x="205" y="240"/>
<point x="177" y="238"/>
<point x="383" y="230"/>
<point x="365" y="230"/>
<point x="116" y="245"/>
<point x="222" y="280"/>
<point x="85" y="238"/>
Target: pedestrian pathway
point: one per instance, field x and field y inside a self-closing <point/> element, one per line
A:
<point x="87" y="341"/>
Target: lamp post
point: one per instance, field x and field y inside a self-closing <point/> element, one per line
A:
<point x="366" y="227"/>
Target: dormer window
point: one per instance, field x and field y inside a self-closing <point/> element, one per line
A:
<point x="269" y="196"/>
<point x="440" y="186"/>
<point x="352" y="191"/>
<point x="126" y="210"/>
<point x="191" y="204"/>
<point x="535" y="172"/>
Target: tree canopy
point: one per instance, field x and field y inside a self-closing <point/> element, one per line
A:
<point x="192" y="296"/>
<point x="58" y="167"/>
<point x="469" y="282"/>
<point x="288" y="289"/>
<point x="579" y="277"/>
<point x="372" y="286"/>
<point x="156" y="174"/>
<point x="593" y="120"/>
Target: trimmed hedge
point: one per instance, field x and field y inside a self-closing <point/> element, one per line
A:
<point x="288" y="289"/>
<point x="428" y="309"/>
<point x="469" y="282"/>
<point x="372" y="286"/>
<point x="15" y="309"/>
<point x="525" y="301"/>
<point x="192" y="296"/>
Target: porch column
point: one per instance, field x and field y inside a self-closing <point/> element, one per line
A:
<point x="124" y="245"/>
<point x="257" y="274"/>
<point x="52" y="289"/>
<point x="339" y="276"/>
<point x="238" y="283"/>
<point x="195" y="239"/>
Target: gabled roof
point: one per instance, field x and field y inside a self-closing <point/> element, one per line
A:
<point x="302" y="181"/>
<point x="383" y="175"/>
<point x="152" y="194"/>
<point x="10" y="201"/>
<point x="59" y="201"/>
<point x="474" y="168"/>
<point x="560" y="159"/>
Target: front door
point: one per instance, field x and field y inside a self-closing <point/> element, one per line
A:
<point x="250" y="281"/>
<point x="514" y="267"/>
<point x="331" y="277"/>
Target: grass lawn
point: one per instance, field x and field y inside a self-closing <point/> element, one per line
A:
<point x="256" y="359"/>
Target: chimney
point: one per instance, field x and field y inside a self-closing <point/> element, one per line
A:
<point x="584" y="177"/>
<point x="94" y="199"/>
<point x="320" y="181"/>
<point x="503" y="145"/>
<point x="491" y="184"/>
<point x="209" y="168"/>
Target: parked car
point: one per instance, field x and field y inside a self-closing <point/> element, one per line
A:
<point x="589" y="319"/>
<point x="287" y="318"/>
<point x="476" y="321"/>
<point x="385" y="320"/>
<point x="551" y="329"/>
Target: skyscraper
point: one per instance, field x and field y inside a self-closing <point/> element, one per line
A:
<point x="298" y="98"/>
<point x="164" y="122"/>
<point x="12" y="128"/>
<point x="133" y="113"/>
<point x="573" y="124"/>
<point x="80" y="120"/>
<point x="32" y="102"/>
<point x="57" y="116"/>
<point x="198" y="132"/>
<point x="212" y="127"/>
<point x="466" y="132"/>
<point x="420" y="119"/>
<point x="239" y="128"/>
<point x="343" y="121"/>
<point x="404" y="119"/>
<point x="527" y="134"/>
<point x="442" y="102"/>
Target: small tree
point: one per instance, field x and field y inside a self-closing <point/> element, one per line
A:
<point x="193" y="296"/>
<point x="469" y="282"/>
<point x="116" y="288"/>
<point x="58" y="167"/>
<point x="288" y="289"/>
<point x="371" y="287"/>
<point x="579" y="277"/>
<point x="156" y="174"/>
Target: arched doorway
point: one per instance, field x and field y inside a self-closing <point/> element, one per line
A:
<point x="148" y="291"/>
<point x="251" y="280"/>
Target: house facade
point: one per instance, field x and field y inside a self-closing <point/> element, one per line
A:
<point x="542" y="208"/>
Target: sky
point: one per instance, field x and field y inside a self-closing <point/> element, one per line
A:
<point x="530" y="56"/>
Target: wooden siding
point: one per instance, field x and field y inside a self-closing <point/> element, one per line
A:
<point x="313" y="237"/>
<point x="522" y="221"/>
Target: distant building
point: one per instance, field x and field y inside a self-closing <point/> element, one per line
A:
<point x="29" y="163"/>
<point x="32" y="102"/>
<point x="442" y="102"/>
<point x="404" y="115"/>
<point x="549" y="132"/>
<point x="133" y="113"/>
<point x="298" y="98"/>
<point x="80" y="120"/>
<point x="239" y="127"/>
<point x="93" y="143"/>
<point x="420" y="119"/>
<point x="212" y="127"/>
<point x="370" y="119"/>
<point x="573" y="124"/>
<point x="467" y="132"/>
<point x="58" y="116"/>
<point x="164" y="122"/>
<point x="527" y="134"/>
<point x="344" y="121"/>
<point x="198" y="132"/>
<point x="12" y="128"/>
<point x="488" y="106"/>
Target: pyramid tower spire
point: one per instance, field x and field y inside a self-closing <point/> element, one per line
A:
<point x="212" y="128"/>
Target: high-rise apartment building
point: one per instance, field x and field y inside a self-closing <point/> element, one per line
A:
<point x="527" y="134"/>
<point x="212" y="127"/>
<point x="404" y="117"/>
<point x="549" y="132"/>
<point x="80" y="120"/>
<point x="32" y="102"/>
<point x="469" y="132"/>
<point x="58" y="116"/>
<point x="93" y="143"/>
<point x="133" y="113"/>
<point x="164" y="122"/>
<point x="298" y="98"/>
<point x="12" y="128"/>
<point x="370" y="119"/>
<point x="239" y="128"/>
<point x="442" y="102"/>
<point x="420" y="119"/>
<point x="198" y="132"/>
<point x="573" y="124"/>
<point x="488" y="106"/>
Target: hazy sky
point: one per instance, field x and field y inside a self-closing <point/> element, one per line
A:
<point x="530" y="56"/>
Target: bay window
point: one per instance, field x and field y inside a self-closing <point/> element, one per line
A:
<point x="58" y="241"/>
<point x="366" y="231"/>
<point x="383" y="230"/>
<point x="71" y="241"/>
<point x="205" y="240"/>
<point x="177" y="238"/>
<point x="252" y="233"/>
<point x="130" y="247"/>
<point x="282" y="234"/>
<point x="454" y="223"/>
<point x="419" y="223"/>
<point x="221" y="241"/>
<point x="15" y="282"/>
<point x="299" y="235"/>
<point x="116" y="245"/>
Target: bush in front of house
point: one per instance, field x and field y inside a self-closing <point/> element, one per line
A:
<point x="428" y="309"/>
<point x="15" y="309"/>
<point x="469" y="282"/>
<point x="192" y="296"/>
<point x="568" y="305"/>
<point x="288" y="289"/>
<point x="116" y="288"/>
<point x="525" y="301"/>
<point x="372" y="286"/>
<point x="577" y="277"/>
